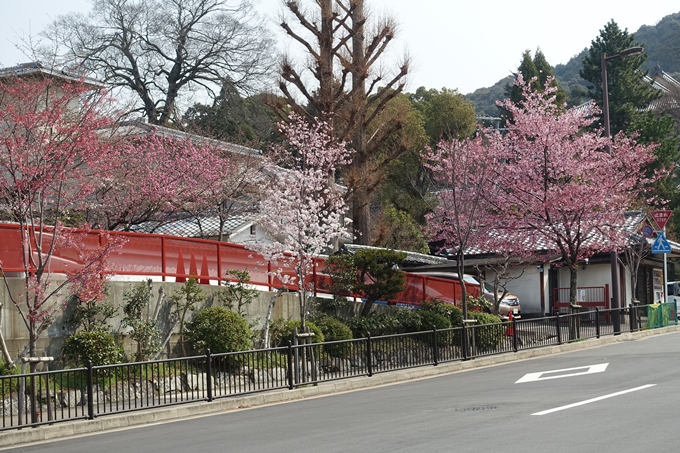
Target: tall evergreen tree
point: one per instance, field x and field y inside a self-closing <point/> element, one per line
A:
<point x="244" y="121"/>
<point x="448" y="115"/>
<point x="530" y="68"/>
<point x="629" y="93"/>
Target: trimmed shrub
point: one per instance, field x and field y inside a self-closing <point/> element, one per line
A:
<point x="429" y="319"/>
<point x="489" y="335"/>
<point x="377" y="324"/>
<point x="282" y="331"/>
<point x="409" y="320"/>
<point x="335" y="330"/>
<point x="451" y="312"/>
<point x="219" y="329"/>
<point x="99" y="347"/>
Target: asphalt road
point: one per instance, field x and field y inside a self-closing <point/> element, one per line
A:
<point x="631" y="404"/>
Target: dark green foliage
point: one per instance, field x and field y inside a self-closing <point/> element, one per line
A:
<point x="92" y="316"/>
<point x="238" y="293"/>
<point x="429" y="319"/>
<point x="539" y="68"/>
<point x="448" y="114"/>
<point x="220" y="330"/>
<point x="372" y="273"/>
<point x="335" y="330"/>
<point x="282" y="331"/>
<point x="184" y="300"/>
<point x="484" y="99"/>
<point x="660" y="42"/>
<point x="245" y="121"/>
<point x="376" y="324"/>
<point x="451" y="312"/>
<point x="7" y="370"/>
<point x="398" y="321"/>
<point x="398" y="230"/>
<point x="143" y="330"/>
<point x="628" y="92"/>
<point x="99" y="347"/>
<point x="489" y="335"/>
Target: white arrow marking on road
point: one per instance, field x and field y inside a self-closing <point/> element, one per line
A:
<point x="531" y="377"/>
<point x="599" y="398"/>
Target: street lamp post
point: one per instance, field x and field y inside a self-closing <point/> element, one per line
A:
<point x="604" y="60"/>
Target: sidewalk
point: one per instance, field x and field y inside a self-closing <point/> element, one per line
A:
<point x="131" y="419"/>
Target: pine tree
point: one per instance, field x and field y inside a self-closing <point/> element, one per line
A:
<point x="628" y="91"/>
<point x="530" y="68"/>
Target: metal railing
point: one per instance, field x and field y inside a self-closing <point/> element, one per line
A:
<point x="30" y="400"/>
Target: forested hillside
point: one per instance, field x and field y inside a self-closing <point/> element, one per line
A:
<point x="661" y="42"/>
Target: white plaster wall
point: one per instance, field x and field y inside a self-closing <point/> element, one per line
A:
<point x="526" y="286"/>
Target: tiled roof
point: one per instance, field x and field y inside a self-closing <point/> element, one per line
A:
<point x="192" y="227"/>
<point x="412" y="258"/>
<point x="633" y="220"/>
<point x="141" y="128"/>
<point x="34" y="68"/>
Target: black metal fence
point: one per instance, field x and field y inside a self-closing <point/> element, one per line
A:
<point x="84" y="393"/>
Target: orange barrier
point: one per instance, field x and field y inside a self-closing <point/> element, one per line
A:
<point x="173" y="258"/>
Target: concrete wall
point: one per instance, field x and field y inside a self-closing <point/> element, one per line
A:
<point x="51" y="341"/>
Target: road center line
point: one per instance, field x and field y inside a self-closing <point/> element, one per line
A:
<point x="599" y="398"/>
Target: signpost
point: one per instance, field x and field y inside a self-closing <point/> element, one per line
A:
<point x="661" y="217"/>
<point x="661" y="245"/>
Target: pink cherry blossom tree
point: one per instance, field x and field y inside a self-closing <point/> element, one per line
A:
<point x="563" y="186"/>
<point x="49" y="155"/>
<point x="158" y="178"/>
<point x="462" y="171"/>
<point x="301" y="210"/>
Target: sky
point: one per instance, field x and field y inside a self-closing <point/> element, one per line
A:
<point x="463" y="45"/>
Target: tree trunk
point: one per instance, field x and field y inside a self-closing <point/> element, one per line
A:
<point x="460" y="265"/>
<point x="573" y="274"/>
<point x="360" y="196"/>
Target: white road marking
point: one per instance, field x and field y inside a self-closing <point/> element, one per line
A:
<point x="531" y="377"/>
<point x="599" y="398"/>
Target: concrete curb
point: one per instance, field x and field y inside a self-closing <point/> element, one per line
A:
<point x="179" y="412"/>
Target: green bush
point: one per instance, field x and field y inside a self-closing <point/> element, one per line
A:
<point x="335" y="330"/>
<point x="282" y="331"/>
<point x="377" y="324"/>
<point x="451" y="312"/>
<point x="219" y="329"/>
<point x="429" y="319"/>
<point x="489" y="335"/>
<point x="408" y="319"/>
<point x="98" y="346"/>
<point x="10" y="385"/>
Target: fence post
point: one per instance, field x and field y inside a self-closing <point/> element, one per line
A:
<point x="369" y="355"/>
<point x="514" y="334"/>
<point x="435" y="346"/>
<point x="290" y="366"/>
<point x="597" y="322"/>
<point x="208" y="373"/>
<point x="559" y="333"/>
<point x="90" y="391"/>
<point x="464" y="342"/>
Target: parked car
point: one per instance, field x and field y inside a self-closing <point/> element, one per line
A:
<point x="508" y="304"/>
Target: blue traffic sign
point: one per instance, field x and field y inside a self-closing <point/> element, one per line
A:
<point x="661" y="245"/>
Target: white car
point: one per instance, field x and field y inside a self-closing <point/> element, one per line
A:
<point x="509" y="303"/>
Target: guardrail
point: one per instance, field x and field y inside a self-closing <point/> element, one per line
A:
<point x="30" y="400"/>
<point x="171" y="258"/>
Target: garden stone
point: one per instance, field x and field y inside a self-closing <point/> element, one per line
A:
<point x="71" y="398"/>
<point x="168" y="385"/>
<point x="260" y="378"/>
<point x="357" y="361"/>
<point x="195" y="381"/>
